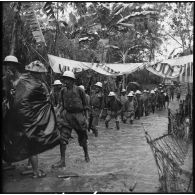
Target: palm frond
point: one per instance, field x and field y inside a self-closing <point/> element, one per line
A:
<point x="32" y="21"/>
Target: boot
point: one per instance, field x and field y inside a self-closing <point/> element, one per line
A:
<point x="106" y="123"/>
<point x="90" y="123"/>
<point x="85" y="149"/>
<point x="95" y="131"/>
<point x="117" y="125"/>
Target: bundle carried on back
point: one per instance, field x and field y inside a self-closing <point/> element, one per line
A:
<point x="30" y="126"/>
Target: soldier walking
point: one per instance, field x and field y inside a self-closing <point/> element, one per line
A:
<point x="96" y="105"/>
<point x="73" y="114"/>
<point x="145" y="99"/>
<point x="114" y="108"/>
<point x="153" y="100"/>
<point x="129" y="108"/>
<point x="123" y="99"/>
<point x="139" y="109"/>
<point x="55" y="92"/>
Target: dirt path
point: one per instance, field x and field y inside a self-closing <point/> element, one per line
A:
<point x="119" y="160"/>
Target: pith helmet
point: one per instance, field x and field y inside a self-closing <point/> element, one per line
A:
<point x="57" y="82"/>
<point x="132" y="92"/>
<point x="130" y="95"/>
<point x="69" y="74"/>
<point x="145" y="91"/>
<point x="99" y="84"/>
<point x="82" y="87"/>
<point x="111" y="94"/>
<point x="36" y="66"/>
<point x="152" y="91"/>
<point x="123" y="90"/>
<point x="138" y="92"/>
<point x="11" y="59"/>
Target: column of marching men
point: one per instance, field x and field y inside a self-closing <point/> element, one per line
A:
<point x="74" y="108"/>
<point x="125" y="107"/>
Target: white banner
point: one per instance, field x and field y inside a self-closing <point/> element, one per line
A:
<point x="171" y="68"/>
<point x="60" y="65"/>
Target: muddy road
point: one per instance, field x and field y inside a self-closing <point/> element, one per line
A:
<point x="121" y="161"/>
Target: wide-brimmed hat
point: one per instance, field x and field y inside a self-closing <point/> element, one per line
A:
<point x="152" y="91"/>
<point x="11" y="60"/>
<point x="36" y="66"/>
<point x="123" y="90"/>
<point x="69" y="74"/>
<point x="98" y="84"/>
<point x="111" y="94"/>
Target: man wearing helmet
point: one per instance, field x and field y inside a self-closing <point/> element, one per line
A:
<point x="114" y="108"/>
<point x="139" y="110"/>
<point x="97" y="105"/>
<point x="73" y="114"/>
<point x="123" y="99"/>
<point x="129" y="108"/>
<point x="30" y="125"/>
<point x="57" y="85"/>
<point x="12" y="70"/>
<point x="153" y="100"/>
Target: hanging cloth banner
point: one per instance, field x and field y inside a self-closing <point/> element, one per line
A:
<point x="105" y="69"/>
<point x="127" y="68"/>
<point x="165" y="70"/>
<point x="60" y="65"/>
<point x="171" y="68"/>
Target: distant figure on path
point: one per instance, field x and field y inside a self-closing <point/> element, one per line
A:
<point x="114" y="107"/>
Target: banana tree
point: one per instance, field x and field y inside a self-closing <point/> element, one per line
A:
<point x="16" y="8"/>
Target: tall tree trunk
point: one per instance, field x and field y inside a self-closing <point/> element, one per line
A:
<point x="13" y="38"/>
<point x="56" y="35"/>
<point x="16" y="9"/>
